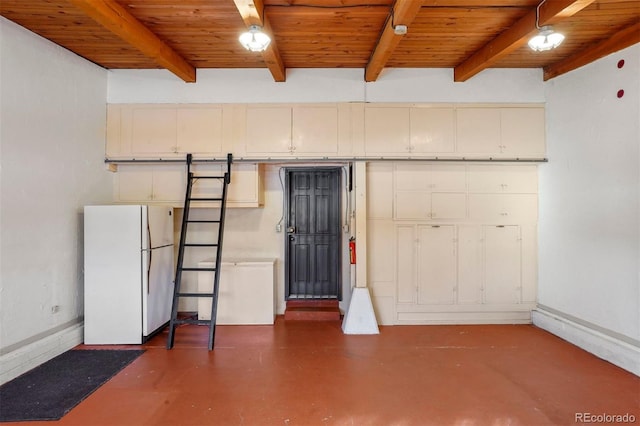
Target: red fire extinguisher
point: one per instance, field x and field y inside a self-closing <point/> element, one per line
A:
<point x="352" y="250"/>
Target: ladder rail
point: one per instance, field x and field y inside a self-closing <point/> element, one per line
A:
<point x="216" y="276"/>
<point x="178" y="276"/>
<point x="177" y="293"/>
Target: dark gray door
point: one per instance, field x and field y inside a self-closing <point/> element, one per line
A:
<point x="313" y="234"/>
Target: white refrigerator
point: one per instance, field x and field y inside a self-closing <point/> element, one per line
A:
<point x="128" y="272"/>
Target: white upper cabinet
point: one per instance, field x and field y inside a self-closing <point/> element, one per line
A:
<point x="503" y="132"/>
<point x="432" y="130"/>
<point x="522" y="131"/>
<point x="331" y="130"/>
<point x="386" y="130"/>
<point x="148" y="131"/>
<point x="199" y="130"/>
<point x="478" y="130"/>
<point x="299" y="130"/>
<point x="268" y="130"/>
<point x="315" y="130"/>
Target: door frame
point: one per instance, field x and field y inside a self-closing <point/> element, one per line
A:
<point x="287" y="197"/>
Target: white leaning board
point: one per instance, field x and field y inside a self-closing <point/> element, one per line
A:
<point x="246" y="293"/>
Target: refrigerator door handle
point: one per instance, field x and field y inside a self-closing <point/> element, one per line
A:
<point x="149" y="272"/>
<point x="150" y="248"/>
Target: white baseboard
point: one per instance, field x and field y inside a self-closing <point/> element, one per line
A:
<point x="29" y="356"/>
<point x="609" y="348"/>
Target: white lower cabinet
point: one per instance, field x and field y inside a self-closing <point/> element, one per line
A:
<point x="426" y="264"/>
<point x="246" y="291"/>
<point x="436" y="265"/>
<point x="502" y="265"/>
<point x="464" y="273"/>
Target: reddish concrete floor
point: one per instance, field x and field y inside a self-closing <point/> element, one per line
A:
<point x="310" y="373"/>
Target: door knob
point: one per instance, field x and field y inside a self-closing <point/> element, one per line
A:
<point x="291" y="229"/>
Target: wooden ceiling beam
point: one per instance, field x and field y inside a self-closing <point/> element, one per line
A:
<point x="403" y="13"/>
<point x="622" y="39"/>
<point x="514" y="37"/>
<point x="114" y="17"/>
<point x="252" y="12"/>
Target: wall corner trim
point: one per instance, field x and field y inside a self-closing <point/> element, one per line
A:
<point x="618" y="352"/>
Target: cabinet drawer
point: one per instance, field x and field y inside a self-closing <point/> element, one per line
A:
<point x="503" y="179"/>
<point x="503" y="208"/>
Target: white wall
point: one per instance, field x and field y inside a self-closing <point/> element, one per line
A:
<point x="52" y="138"/>
<point x="325" y="85"/>
<point x="589" y="227"/>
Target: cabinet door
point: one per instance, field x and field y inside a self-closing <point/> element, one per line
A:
<point x="406" y="264"/>
<point x="134" y="183"/>
<point x="478" y="130"/>
<point x="243" y="191"/>
<point x="246" y="185"/>
<point x="432" y="130"/>
<point x="448" y="178"/>
<point x="448" y="205"/>
<point x="169" y="183"/>
<point x="380" y="200"/>
<point x="436" y="265"/>
<point x="386" y="130"/>
<point x="523" y="131"/>
<point x="268" y="129"/>
<point x="315" y="130"/>
<point x="502" y="260"/>
<point x="411" y="176"/>
<point x="413" y="205"/>
<point x="199" y="130"/>
<point x="469" y="264"/>
<point x="153" y="130"/>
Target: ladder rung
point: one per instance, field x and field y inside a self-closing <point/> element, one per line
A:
<point x="203" y="221"/>
<point x="200" y="245"/>
<point x="195" y="294"/>
<point x="205" y="199"/>
<point x="198" y="269"/>
<point x="191" y="321"/>
<point x="206" y="177"/>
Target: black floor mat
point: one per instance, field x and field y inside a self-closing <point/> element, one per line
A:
<point x="52" y="389"/>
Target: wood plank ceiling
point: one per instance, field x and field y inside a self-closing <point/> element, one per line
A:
<point x="466" y="35"/>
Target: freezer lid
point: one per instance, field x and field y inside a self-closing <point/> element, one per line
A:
<point x="157" y="226"/>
